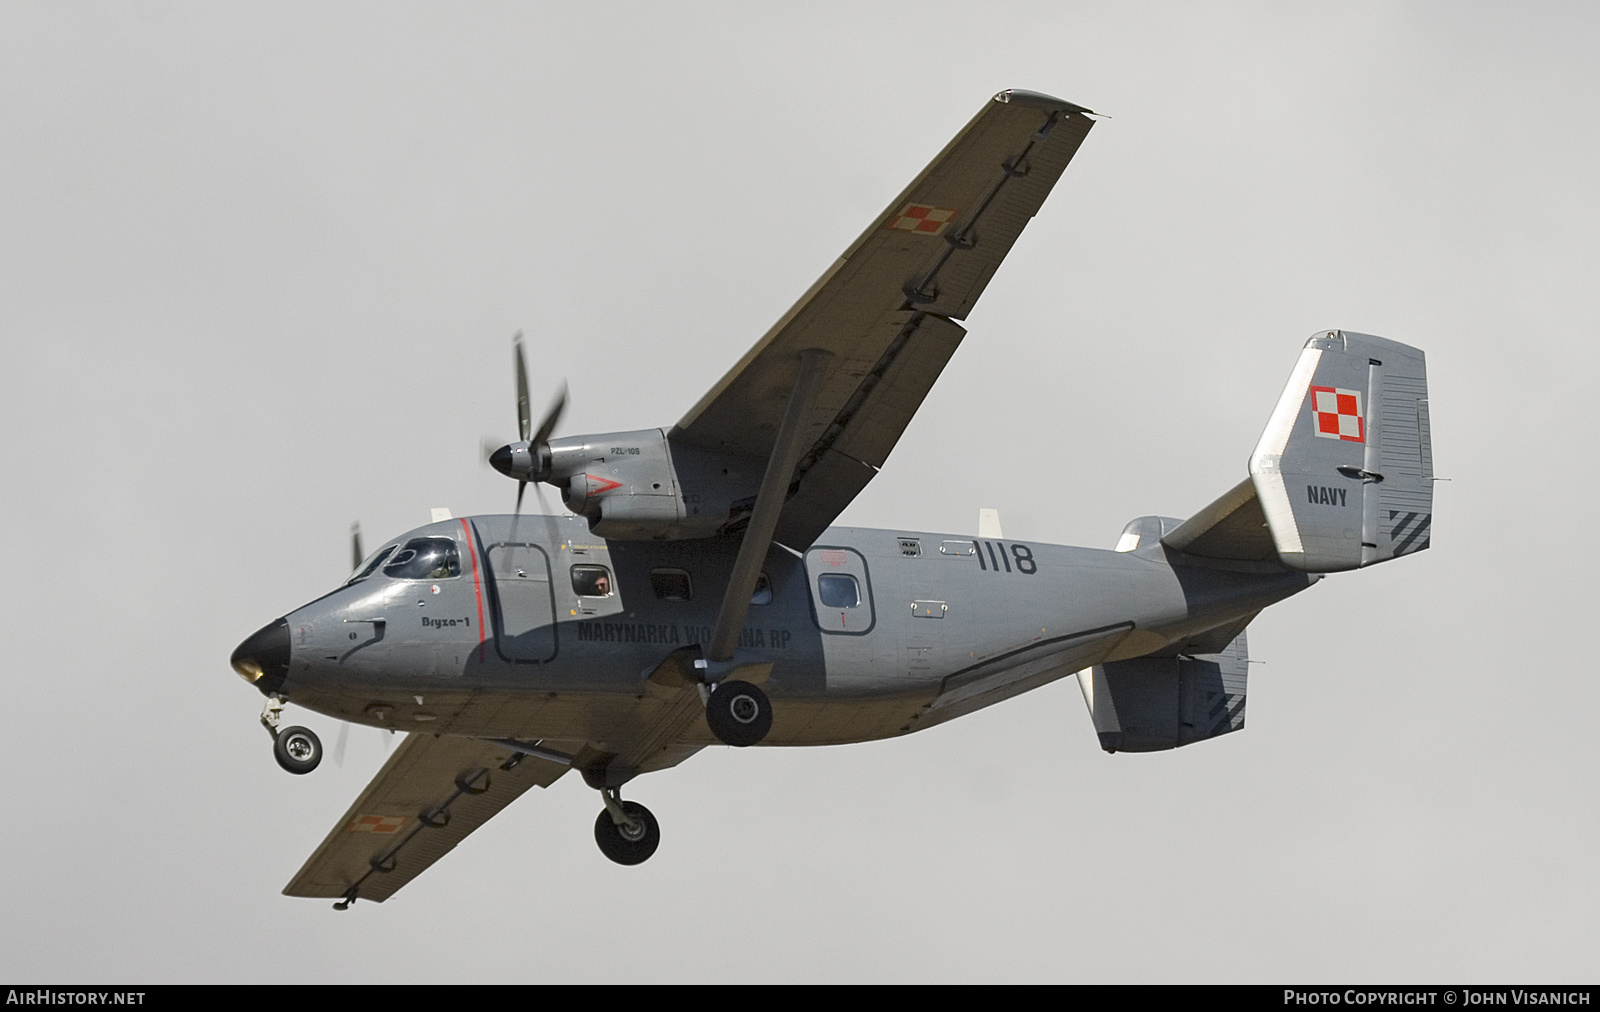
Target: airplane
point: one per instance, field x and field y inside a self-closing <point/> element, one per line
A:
<point x="700" y="594"/>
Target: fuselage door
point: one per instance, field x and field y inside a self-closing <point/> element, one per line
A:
<point x="841" y="593"/>
<point x="526" y="626"/>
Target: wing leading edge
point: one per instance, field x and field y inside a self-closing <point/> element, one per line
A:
<point x="887" y="308"/>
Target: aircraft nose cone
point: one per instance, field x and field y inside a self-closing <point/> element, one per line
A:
<point x="500" y="460"/>
<point x="263" y="659"/>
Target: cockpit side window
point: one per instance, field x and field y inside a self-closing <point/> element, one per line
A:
<point x="425" y="559"/>
<point x="372" y="564"/>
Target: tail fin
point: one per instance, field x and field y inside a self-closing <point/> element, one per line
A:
<point x="1344" y="470"/>
<point x="1343" y="475"/>
<point x="1149" y="704"/>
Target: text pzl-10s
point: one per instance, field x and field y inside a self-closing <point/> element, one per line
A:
<point x="700" y="594"/>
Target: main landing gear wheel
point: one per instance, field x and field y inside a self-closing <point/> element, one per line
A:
<point x="739" y="713"/>
<point x="297" y="749"/>
<point x="632" y="842"/>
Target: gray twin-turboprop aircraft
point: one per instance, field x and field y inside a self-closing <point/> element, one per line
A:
<point x="700" y="593"/>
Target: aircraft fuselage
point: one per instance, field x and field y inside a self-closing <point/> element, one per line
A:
<point x="548" y="633"/>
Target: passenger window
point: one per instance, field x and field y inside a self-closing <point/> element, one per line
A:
<point x="763" y="591"/>
<point x="425" y="559"/>
<point x="839" y="590"/>
<point x="372" y="565"/>
<point x="591" y="581"/>
<point x="671" y="584"/>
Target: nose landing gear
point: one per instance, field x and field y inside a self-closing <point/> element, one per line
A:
<point x="297" y="749"/>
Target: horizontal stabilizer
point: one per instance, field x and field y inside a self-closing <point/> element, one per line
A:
<point x="1233" y="527"/>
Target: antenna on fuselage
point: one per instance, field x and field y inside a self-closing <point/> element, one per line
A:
<point x="989" y="524"/>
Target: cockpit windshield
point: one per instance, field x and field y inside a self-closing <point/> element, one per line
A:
<point x="371" y="565"/>
<point x="425" y="559"/>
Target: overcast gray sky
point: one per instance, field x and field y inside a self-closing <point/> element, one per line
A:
<point x="259" y="265"/>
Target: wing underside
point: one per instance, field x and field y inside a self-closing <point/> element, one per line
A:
<point x="437" y="789"/>
<point x="428" y="797"/>
<point x="886" y="309"/>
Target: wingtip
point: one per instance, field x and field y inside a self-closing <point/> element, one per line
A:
<point x="1023" y="97"/>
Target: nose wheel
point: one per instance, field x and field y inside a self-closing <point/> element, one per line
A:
<point x="297" y="749"/>
<point x="738" y="713"/>
<point x="625" y="830"/>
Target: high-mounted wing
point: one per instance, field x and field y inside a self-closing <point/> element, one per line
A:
<point x="430" y="794"/>
<point x="886" y="309"/>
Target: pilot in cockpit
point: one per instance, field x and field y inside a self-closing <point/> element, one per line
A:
<point x="425" y="559"/>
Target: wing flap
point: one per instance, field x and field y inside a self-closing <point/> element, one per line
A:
<point x="393" y="832"/>
<point x="858" y="441"/>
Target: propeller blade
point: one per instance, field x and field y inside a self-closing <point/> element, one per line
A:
<point x="356" y="552"/>
<point x="516" y="521"/>
<point x="524" y="417"/>
<point x="340" y="742"/>
<point x="551" y="526"/>
<point x="527" y="459"/>
<point x="552" y="416"/>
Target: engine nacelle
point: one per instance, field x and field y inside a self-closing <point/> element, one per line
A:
<point x="636" y="486"/>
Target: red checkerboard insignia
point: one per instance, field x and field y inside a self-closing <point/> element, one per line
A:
<point x="1336" y="414"/>
<point x="378" y="823"/>
<point x="922" y="218"/>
